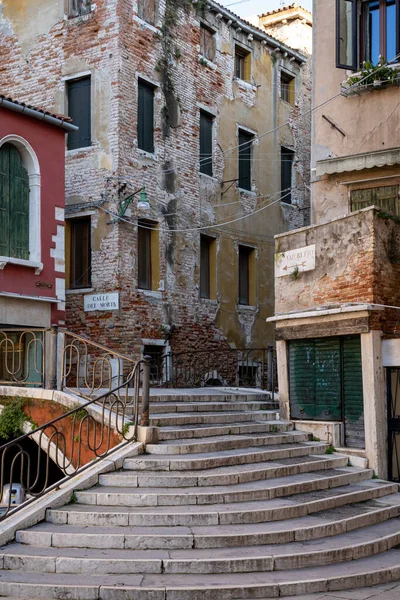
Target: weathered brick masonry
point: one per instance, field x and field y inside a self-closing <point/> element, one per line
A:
<point x="116" y="48"/>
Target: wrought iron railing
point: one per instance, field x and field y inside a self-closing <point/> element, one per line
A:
<point x="243" y="367"/>
<point x="22" y="356"/>
<point x="90" y="369"/>
<point x="73" y="441"/>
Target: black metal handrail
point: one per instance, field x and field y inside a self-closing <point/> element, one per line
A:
<point x="238" y="367"/>
<point x="74" y="440"/>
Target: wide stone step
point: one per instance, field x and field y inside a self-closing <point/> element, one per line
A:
<point x="351" y="508"/>
<point x="277" y="557"/>
<point x="164" y="419"/>
<point x="278" y="435"/>
<point x="210" y="460"/>
<point x="184" y="432"/>
<point x="210" y="395"/>
<point x="224" y="475"/>
<point x="207" y="407"/>
<point x="256" y="511"/>
<point x="242" y="492"/>
<point x="379" y="569"/>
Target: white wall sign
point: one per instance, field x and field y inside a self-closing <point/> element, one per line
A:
<point x="300" y="259"/>
<point x="101" y="301"/>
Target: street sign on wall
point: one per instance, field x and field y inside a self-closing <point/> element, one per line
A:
<point x="101" y="301"/>
<point x="300" y="259"/>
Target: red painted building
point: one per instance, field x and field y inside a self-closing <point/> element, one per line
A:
<point x="32" y="199"/>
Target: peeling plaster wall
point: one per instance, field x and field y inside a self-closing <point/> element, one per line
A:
<point x="370" y="121"/>
<point x="117" y="48"/>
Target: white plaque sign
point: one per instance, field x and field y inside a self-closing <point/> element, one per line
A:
<point x="300" y="259"/>
<point x="101" y="301"/>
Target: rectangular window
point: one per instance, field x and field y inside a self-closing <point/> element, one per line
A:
<point x="287" y="87"/>
<point x="206" y="131"/>
<point x="79" y="253"/>
<point x="386" y="197"/>
<point x="245" y="159"/>
<point x="79" y="109"/>
<point x="242" y="63"/>
<point x="346" y="34"/>
<point x="246" y="276"/>
<point x="207" y="42"/>
<point x="208" y="267"/>
<point x="287" y="157"/>
<point x="147" y="11"/>
<point x="145" y="116"/>
<point x="148" y="256"/>
<point x="78" y="8"/>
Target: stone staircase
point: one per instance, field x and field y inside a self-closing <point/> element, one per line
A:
<point x="231" y="504"/>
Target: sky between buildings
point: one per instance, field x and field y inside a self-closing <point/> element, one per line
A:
<point x="246" y="8"/>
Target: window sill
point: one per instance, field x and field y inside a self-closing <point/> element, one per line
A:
<point x="148" y="155"/>
<point x="287" y="103"/>
<point x="247" y="307"/>
<point x="72" y="291"/>
<point x="210" y="177"/>
<point x="80" y="18"/>
<point x="5" y="260"/>
<point x="289" y="204"/>
<point x="143" y="23"/>
<point x="151" y="293"/>
<point x="246" y="85"/>
<point x="248" y="192"/>
<point x="209" y="301"/>
<point x="84" y="149"/>
<point x="206" y="62"/>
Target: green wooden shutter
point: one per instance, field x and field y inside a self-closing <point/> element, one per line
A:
<point x="327" y="379"/>
<point x="4" y="200"/>
<point x="79" y="109"/>
<point x="145" y="117"/>
<point x="302" y="379"/>
<point x="206" y="124"/>
<point x="19" y="207"/>
<point x="353" y="393"/>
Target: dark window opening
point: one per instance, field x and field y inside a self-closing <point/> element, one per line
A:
<point x="80" y="253"/>
<point x="79" y="109"/>
<point x="144" y="256"/>
<point x="245" y="159"/>
<point x="147" y="11"/>
<point x="145" y="116"/>
<point x="78" y="8"/>
<point x="205" y="271"/>
<point x="14" y="204"/>
<point x="206" y="131"/>
<point x="207" y="43"/>
<point x="287" y="87"/>
<point x="242" y="63"/>
<point x="287" y="157"/>
<point x="244" y="274"/>
<point x="156" y="356"/>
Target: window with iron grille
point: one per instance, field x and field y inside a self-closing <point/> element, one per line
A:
<point x="79" y="264"/>
<point x="386" y="197"/>
<point x="78" y="8"/>
<point x="147" y="11"/>
<point x="287" y="157"/>
<point x="206" y="131"/>
<point x="245" y="159"/>
<point x="207" y="42"/>
<point x="79" y="109"/>
<point x="145" y="116"/>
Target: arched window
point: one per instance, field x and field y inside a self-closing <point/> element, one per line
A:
<point x="14" y="204"/>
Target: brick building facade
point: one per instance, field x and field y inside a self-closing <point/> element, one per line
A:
<point x="151" y="85"/>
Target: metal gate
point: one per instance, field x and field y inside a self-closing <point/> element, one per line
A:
<point x="393" y="404"/>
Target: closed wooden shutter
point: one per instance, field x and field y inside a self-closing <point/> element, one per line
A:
<point x="4" y="201"/>
<point x="245" y="145"/>
<point x="353" y="393"/>
<point x="145" y="117"/>
<point x="14" y="204"/>
<point x="206" y="126"/>
<point x="147" y="10"/>
<point x="79" y="109"/>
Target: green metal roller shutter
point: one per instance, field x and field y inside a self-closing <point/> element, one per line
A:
<point x="327" y="379"/>
<point x="353" y="393"/>
<point x="301" y="379"/>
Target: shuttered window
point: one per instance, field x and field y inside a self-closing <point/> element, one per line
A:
<point x="245" y="155"/>
<point x="287" y="157"/>
<point x="386" y="197"/>
<point x="147" y="10"/>
<point x="80" y="259"/>
<point x="79" y="109"/>
<point x="207" y="43"/>
<point x="14" y="204"/>
<point x="206" y="128"/>
<point x="325" y="379"/>
<point x="145" y="116"/>
<point x="78" y="8"/>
